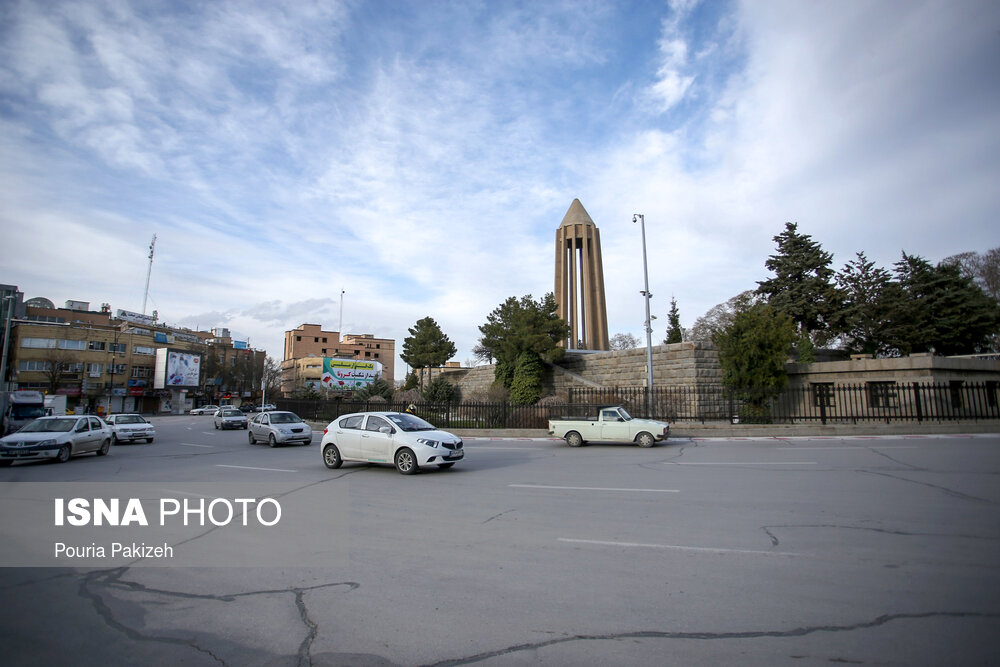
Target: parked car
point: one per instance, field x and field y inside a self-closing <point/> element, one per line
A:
<point x="230" y="418"/>
<point x="405" y="440"/>
<point x="205" y="410"/>
<point x="56" y="438"/>
<point x="130" y="428"/>
<point x="279" y="428"/>
<point x="247" y="407"/>
<point x="267" y="407"/>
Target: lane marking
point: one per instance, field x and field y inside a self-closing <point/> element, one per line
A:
<point x="674" y="547"/>
<point x="190" y="444"/>
<point x="744" y="463"/>
<point x="222" y="465"/>
<point x="858" y="447"/>
<point x="589" y="488"/>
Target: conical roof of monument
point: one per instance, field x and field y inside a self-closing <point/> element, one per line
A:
<point x="577" y="215"/>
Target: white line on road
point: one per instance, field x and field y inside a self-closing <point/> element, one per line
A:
<point x="741" y="463"/>
<point x="221" y="465"/>
<point x="189" y="444"/>
<point x="675" y="547"/>
<point x="589" y="488"/>
<point x="857" y="447"/>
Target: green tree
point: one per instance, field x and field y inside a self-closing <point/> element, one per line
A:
<point x="675" y="334"/>
<point x="411" y="381"/>
<point x="861" y="320"/>
<point x="939" y="309"/>
<point x="522" y="326"/>
<point x="377" y="387"/>
<point x="753" y="350"/>
<point x="427" y="346"/>
<point x="802" y="285"/>
<point x="439" y="390"/>
<point x="526" y="384"/>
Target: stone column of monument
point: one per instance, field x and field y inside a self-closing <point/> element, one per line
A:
<point x="579" y="289"/>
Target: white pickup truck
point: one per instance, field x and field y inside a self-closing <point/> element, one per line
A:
<point x="613" y="424"/>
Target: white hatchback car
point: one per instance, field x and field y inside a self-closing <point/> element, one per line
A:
<point x="130" y="428"/>
<point x="405" y="440"/>
<point x="56" y="438"/>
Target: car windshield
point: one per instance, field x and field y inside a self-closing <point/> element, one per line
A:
<point x="129" y="419"/>
<point x="625" y="414"/>
<point x="232" y="413"/>
<point x="50" y="426"/>
<point x="408" y="422"/>
<point x="284" y="418"/>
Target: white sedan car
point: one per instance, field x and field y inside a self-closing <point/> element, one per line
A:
<point x="130" y="428"/>
<point x="56" y="438"/>
<point x="279" y="428"/>
<point x="205" y="410"/>
<point x="405" y="440"/>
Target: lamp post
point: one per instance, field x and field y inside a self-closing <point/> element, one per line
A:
<point x="640" y="218"/>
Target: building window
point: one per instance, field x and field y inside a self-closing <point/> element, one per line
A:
<point x="955" y="391"/>
<point x="117" y="347"/>
<point x="142" y="371"/>
<point x="316" y="339"/>
<point x="142" y="349"/>
<point x="822" y="394"/>
<point x="95" y="370"/>
<point x="298" y="338"/>
<point x="73" y="368"/>
<point x="117" y="369"/>
<point x="882" y="394"/>
<point x="43" y="343"/>
<point x="324" y="340"/>
<point x="96" y="345"/>
<point x="72" y="345"/>
<point x="38" y="366"/>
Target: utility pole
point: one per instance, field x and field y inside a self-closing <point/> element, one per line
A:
<point x="639" y="217"/>
<point x="145" y="294"/>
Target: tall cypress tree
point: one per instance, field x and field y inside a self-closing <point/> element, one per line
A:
<point x="864" y="313"/>
<point x="674" y="332"/>
<point x="802" y="285"/>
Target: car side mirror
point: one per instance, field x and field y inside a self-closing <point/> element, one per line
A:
<point x="386" y="429"/>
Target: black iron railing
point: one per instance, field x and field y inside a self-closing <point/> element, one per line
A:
<point x="816" y="403"/>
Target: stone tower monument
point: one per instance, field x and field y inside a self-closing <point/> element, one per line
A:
<point x="580" y="280"/>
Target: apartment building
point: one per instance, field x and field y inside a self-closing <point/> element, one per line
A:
<point x="308" y="344"/>
<point x="103" y="362"/>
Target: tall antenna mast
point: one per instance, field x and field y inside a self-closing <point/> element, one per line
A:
<point x="145" y="295"/>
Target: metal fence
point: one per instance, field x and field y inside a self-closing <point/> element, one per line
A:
<point x="816" y="403"/>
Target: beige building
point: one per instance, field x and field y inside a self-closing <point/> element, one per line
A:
<point x="307" y="345"/>
<point x="579" y="283"/>
<point x="103" y="362"/>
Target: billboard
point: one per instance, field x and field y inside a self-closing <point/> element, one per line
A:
<point x="176" y="369"/>
<point x="349" y="374"/>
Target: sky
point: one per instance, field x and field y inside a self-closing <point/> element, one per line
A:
<point x="419" y="156"/>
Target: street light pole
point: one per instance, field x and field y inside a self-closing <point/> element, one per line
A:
<point x="6" y="339"/>
<point x="639" y="217"/>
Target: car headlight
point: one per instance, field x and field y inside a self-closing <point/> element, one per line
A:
<point x="429" y="443"/>
<point x="46" y="443"/>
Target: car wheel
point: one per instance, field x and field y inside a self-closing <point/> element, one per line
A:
<point x="5" y="462"/>
<point x="406" y="461"/>
<point x="271" y="440"/>
<point x="64" y="453"/>
<point x="252" y="440"/>
<point x="245" y="427"/>
<point x="574" y="439"/>
<point x="331" y="457"/>
<point x="645" y="440"/>
<point x="105" y="446"/>
<point x="216" y="427"/>
<point x="445" y="466"/>
<point x="149" y="440"/>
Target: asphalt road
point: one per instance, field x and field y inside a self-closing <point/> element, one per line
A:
<point x="776" y="552"/>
